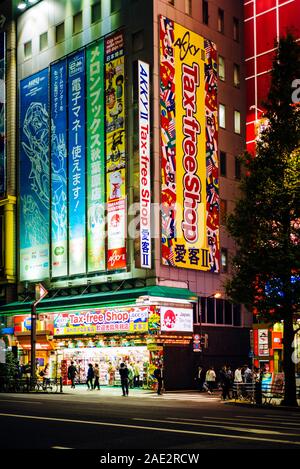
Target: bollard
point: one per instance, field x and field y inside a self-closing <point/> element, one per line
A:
<point x="60" y="385"/>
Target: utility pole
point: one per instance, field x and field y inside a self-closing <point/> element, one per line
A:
<point x="40" y="293"/>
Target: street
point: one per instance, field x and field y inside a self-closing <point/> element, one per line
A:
<point x="81" y="419"/>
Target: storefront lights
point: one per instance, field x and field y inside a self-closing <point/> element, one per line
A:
<point x="22" y="6"/>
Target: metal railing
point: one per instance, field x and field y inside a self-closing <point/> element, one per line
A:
<point x="24" y="385"/>
<point x="260" y="393"/>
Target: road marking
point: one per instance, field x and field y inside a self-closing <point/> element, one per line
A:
<point x="20" y="401"/>
<point x="60" y="447"/>
<point x="158" y="429"/>
<point x="224" y="420"/>
<point x="265" y="422"/>
<point x="225" y="427"/>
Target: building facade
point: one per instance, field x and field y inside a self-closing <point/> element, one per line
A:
<point x="129" y="128"/>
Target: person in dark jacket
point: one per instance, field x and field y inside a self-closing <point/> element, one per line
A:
<point x="225" y="383"/>
<point x="159" y="376"/>
<point x="72" y="372"/>
<point x="90" y="376"/>
<point x="123" y="370"/>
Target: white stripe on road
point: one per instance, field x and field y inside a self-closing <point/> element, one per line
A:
<point x="158" y="429"/>
<point x="20" y="401"/>
<point x="225" y="421"/>
<point x="225" y="427"/>
<point x="60" y="447"/>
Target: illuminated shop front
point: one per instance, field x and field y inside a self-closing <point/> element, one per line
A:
<point x="136" y="335"/>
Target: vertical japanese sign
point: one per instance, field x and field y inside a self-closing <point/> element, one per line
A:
<point x="34" y="177"/>
<point x="115" y="151"/>
<point x="76" y="164"/>
<point x="59" y="244"/>
<point x="189" y="130"/>
<point x="2" y="115"/>
<point x="144" y="155"/>
<point x="95" y="158"/>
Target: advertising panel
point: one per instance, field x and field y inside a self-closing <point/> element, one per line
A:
<point x="95" y="158"/>
<point x="189" y="133"/>
<point x="2" y="115"/>
<point x="109" y="320"/>
<point x="176" y="319"/>
<point x="263" y="342"/>
<point x="144" y="153"/>
<point x="34" y="177"/>
<point x="58" y="100"/>
<point x="76" y="163"/>
<point x="115" y="151"/>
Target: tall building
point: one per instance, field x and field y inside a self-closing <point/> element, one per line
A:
<point x="265" y="22"/>
<point x="130" y="120"/>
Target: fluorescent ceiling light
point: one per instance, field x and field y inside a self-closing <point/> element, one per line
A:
<point x="22" y="6"/>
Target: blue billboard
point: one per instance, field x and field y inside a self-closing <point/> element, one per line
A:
<point x="34" y="177"/>
<point x="59" y="236"/>
<point x="76" y="164"/>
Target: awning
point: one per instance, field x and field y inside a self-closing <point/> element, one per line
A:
<point x="101" y="299"/>
<point x="42" y="341"/>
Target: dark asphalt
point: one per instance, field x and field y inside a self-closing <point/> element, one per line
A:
<point x="104" y="421"/>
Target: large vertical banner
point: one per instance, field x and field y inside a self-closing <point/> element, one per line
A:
<point x="190" y="193"/>
<point x="2" y="115"/>
<point x="59" y="240"/>
<point x="95" y="158"/>
<point x="115" y="152"/>
<point x="145" y="163"/>
<point x="34" y="177"/>
<point x="76" y="164"/>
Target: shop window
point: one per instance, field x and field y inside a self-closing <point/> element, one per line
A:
<point x="237" y="168"/>
<point x="60" y="33"/>
<point x="43" y="41"/>
<point x="96" y="12"/>
<point x="224" y="260"/>
<point x="236" y="315"/>
<point x="205" y="12"/>
<point x="228" y="313"/>
<point x="219" y="312"/>
<point x="236" y="75"/>
<point x="28" y="49"/>
<point x="222" y="116"/>
<point x="77" y="23"/>
<point x="223" y="163"/>
<point x="236" y="29"/>
<point x="221" y="68"/>
<point x="237" y="122"/>
<point x="221" y="21"/>
<point x="210" y="311"/>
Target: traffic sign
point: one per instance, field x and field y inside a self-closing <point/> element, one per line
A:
<point x="40" y="293"/>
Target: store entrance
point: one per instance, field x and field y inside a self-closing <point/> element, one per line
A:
<point x="109" y="360"/>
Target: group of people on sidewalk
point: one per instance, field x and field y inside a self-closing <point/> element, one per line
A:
<point x="226" y="379"/>
<point x="92" y="378"/>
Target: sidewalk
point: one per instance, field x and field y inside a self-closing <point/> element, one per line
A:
<point x="81" y="389"/>
<point x="275" y="405"/>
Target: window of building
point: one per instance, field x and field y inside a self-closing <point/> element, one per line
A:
<point x="223" y="211"/>
<point x="236" y="75"/>
<point x="222" y="116"/>
<point x="219" y="312"/>
<point x="237" y="315"/>
<point x="236" y="29"/>
<point x="172" y="2"/>
<point x="221" y="21"/>
<point x="28" y="49"/>
<point x="221" y="68"/>
<point x="228" y="312"/>
<point x="210" y="310"/>
<point x="138" y="41"/>
<point x="77" y="23"/>
<point x="115" y="5"/>
<point x="237" y="122"/>
<point x="188" y="7"/>
<point x="96" y="12"/>
<point x="224" y="260"/>
<point x="205" y="11"/>
<point x="60" y="33"/>
<point x="223" y="163"/>
<point x="237" y="166"/>
<point x="43" y="41"/>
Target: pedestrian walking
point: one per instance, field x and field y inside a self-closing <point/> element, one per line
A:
<point x="159" y="377"/>
<point x="123" y="370"/>
<point x="200" y="378"/>
<point x="225" y="383"/>
<point x="238" y="380"/>
<point x="72" y="372"/>
<point x="210" y="379"/>
<point x="136" y="378"/>
<point x="90" y="376"/>
<point x="97" y="376"/>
